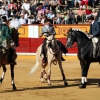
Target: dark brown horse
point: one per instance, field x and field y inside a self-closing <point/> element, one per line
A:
<point x="12" y="55"/>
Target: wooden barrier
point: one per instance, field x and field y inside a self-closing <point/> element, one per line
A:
<point x="29" y="40"/>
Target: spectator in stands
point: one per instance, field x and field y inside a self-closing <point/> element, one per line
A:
<point x="51" y="16"/>
<point x="81" y="14"/>
<point x="12" y="8"/>
<point x="58" y="17"/>
<point x="43" y="19"/>
<point x="22" y="19"/>
<point x="94" y="13"/>
<point x="40" y="9"/>
<point x="65" y="19"/>
<point x="1" y="2"/>
<point x="84" y="2"/>
<point x="6" y="5"/>
<point x="53" y="5"/>
<point x="25" y="15"/>
<point x="77" y="2"/>
<point x="3" y="12"/>
<point x="39" y="18"/>
<point x="88" y="10"/>
<point x="19" y="7"/>
<point x="33" y="6"/>
<point x="46" y="3"/>
<point x="26" y="7"/>
<point x="71" y="17"/>
<point x="47" y="10"/>
<point x="31" y="20"/>
<point x="62" y="6"/>
<point x="70" y="3"/>
<point x="93" y="3"/>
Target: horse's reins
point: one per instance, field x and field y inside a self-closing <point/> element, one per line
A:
<point x="55" y="48"/>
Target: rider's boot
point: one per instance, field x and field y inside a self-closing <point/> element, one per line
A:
<point x="62" y="59"/>
<point x="44" y="59"/>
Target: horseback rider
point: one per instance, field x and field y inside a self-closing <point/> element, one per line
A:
<point x="47" y="30"/>
<point x="5" y="38"/>
<point x="94" y="32"/>
<point x="94" y="26"/>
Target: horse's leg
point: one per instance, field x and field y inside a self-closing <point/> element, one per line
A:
<point x="84" y="68"/>
<point x="12" y="75"/>
<point x="43" y="72"/>
<point x="43" y="75"/>
<point x="62" y="71"/>
<point x="3" y="74"/>
<point x="49" y="72"/>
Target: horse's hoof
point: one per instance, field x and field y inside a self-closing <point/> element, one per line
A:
<point x="81" y="86"/>
<point x="1" y="80"/>
<point x="14" y="87"/>
<point x="49" y="84"/>
<point x="42" y="81"/>
<point x="45" y="79"/>
<point x="65" y="83"/>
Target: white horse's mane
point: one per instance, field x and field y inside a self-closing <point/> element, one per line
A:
<point x="76" y="29"/>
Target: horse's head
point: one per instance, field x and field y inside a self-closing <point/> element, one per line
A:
<point x="70" y="38"/>
<point x="51" y="42"/>
<point x="15" y="37"/>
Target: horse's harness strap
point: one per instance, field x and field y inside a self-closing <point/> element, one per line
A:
<point x="56" y="53"/>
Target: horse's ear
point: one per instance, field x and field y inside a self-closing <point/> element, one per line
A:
<point x="69" y="29"/>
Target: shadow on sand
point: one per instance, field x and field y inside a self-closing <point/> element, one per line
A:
<point x="76" y="82"/>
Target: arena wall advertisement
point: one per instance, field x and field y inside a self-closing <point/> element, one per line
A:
<point x="29" y="36"/>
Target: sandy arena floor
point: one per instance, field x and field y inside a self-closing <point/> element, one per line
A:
<point x="29" y="87"/>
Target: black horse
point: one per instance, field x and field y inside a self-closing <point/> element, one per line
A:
<point x="12" y="55"/>
<point x="85" y="52"/>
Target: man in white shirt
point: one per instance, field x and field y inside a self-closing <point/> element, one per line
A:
<point x="26" y="7"/>
<point x="3" y="12"/>
<point x="22" y="19"/>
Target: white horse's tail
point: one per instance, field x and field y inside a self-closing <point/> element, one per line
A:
<point x="35" y="67"/>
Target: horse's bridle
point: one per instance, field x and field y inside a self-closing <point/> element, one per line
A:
<point x="53" y="47"/>
<point x="76" y="44"/>
<point x="70" y="39"/>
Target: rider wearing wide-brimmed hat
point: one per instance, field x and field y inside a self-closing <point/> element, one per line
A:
<point x="94" y="26"/>
<point x="4" y="37"/>
<point x="94" y="33"/>
<point x="47" y="30"/>
<point x="6" y="42"/>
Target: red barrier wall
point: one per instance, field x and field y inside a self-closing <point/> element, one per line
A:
<point x="29" y="45"/>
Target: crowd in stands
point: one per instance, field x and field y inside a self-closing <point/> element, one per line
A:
<point x="57" y="11"/>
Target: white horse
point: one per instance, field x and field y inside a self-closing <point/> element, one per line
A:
<point x="53" y="55"/>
